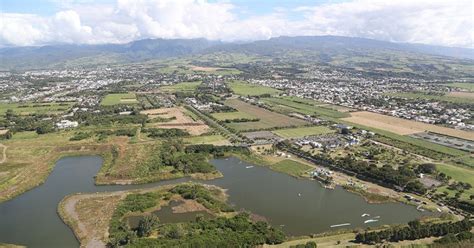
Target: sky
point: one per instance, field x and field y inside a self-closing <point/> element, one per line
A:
<point x="42" y="22"/>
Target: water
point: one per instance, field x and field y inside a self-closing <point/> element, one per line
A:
<point x="301" y="206"/>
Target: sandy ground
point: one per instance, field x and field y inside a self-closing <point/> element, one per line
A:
<point x="182" y="121"/>
<point x="462" y="94"/>
<point x="402" y="126"/>
<point x="77" y="210"/>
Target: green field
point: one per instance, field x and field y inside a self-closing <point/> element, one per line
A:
<point x="303" y="106"/>
<point x="460" y="174"/>
<point x="232" y="115"/>
<point x="207" y="139"/>
<point x="291" y="167"/>
<point x="302" y="131"/>
<point x="119" y="98"/>
<point x="420" y="95"/>
<point x="267" y="119"/>
<point x="181" y="87"/>
<point x="466" y="86"/>
<point x="245" y="89"/>
<point x="35" y="108"/>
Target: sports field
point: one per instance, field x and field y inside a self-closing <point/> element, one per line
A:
<point x="302" y="131"/>
<point x="245" y="89"/>
<point x="402" y="126"/>
<point x="268" y="119"/>
<point x="119" y="98"/>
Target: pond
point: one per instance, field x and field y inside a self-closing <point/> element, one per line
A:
<point x="299" y="206"/>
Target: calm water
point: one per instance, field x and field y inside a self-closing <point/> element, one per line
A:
<point x="299" y="206"/>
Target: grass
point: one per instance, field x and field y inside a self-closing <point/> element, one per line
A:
<point x="268" y="119"/>
<point x="181" y="87"/>
<point x="35" y="108"/>
<point x="466" y="86"/>
<point x="207" y="139"/>
<point x="119" y="98"/>
<point x="302" y="131"/>
<point x="232" y="115"/>
<point x="291" y="167"/>
<point x="424" y="96"/>
<point x="458" y="173"/>
<point x="245" y="89"/>
<point x="303" y="106"/>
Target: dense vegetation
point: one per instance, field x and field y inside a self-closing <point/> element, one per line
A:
<point x="237" y="231"/>
<point x="414" y="230"/>
<point x="164" y="133"/>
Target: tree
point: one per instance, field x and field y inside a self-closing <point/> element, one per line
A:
<point x="146" y="225"/>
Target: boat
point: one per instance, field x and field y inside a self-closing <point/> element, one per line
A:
<point x="299" y="194"/>
<point x="338" y="225"/>
<point x="376" y="217"/>
<point x="365" y="215"/>
<point x="248" y="167"/>
<point x="370" y="221"/>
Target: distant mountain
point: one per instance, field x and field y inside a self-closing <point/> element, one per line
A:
<point x="325" y="48"/>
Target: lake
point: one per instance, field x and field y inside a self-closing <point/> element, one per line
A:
<point x="298" y="206"/>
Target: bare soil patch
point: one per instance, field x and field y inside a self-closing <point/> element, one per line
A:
<point x="402" y="126"/>
<point x="462" y="94"/>
<point x="181" y="120"/>
<point x="201" y="68"/>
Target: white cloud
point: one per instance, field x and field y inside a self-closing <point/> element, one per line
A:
<point x="440" y="22"/>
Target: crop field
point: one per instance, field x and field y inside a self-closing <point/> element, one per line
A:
<point x="423" y="96"/>
<point x="466" y="86"/>
<point x="232" y="115"/>
<point x="245" y="89"/>
<point x="35" y="108"/>
<point x="217" y="140"/>
<point x="181" y="87"/>
<point x="302" y="131"/>
<point x="303" y="106"/>
<point x="402" y="126"/>
<point x="119" y="98"/>
<point x="268" y="119"/>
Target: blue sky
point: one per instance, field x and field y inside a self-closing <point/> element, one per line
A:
<point x="40" y="22"/>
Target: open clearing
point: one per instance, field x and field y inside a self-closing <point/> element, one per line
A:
<point x="118" y="98"/>
<point x="303" y="106"/>
<point x="302" y="131"/>
<point x="268" y="119"/>
<point x="217" y="140"/>
<point x="402" y="126"/>
<point x="201" y="68"/>
<point x="232" y="116"/>
<point x="462" y="94"/>
<point x="181" y="87"/>
<point x="180" y="121"/>
<point x="457" y="173"/>
<point x="35" y="108"/>
<point x="245" y="89"/>
<point x="425" y="96"/>
<point x="466" y="86"/>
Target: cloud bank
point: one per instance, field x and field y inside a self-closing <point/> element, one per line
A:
<point x="436" y="22"/>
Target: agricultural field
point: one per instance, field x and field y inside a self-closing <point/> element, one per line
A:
<point x="232" y="115"/>
<point x="466" y="86"/>
<point x="302" y="131"/>
<point x="35" y="108"/>
<point x="303" y="106"/>
<point x="216" y="139"/>
<point x="462" y="94"/>
<point x="181" y="87"/>
<point x="445" y="98"/>
<point x="178" y="118"/>
<point x="402" y="126"/>
<point x="215" y="70"/>
<point x="268" y="119"/>
<point x="119" y="98"/>
<point x="245" y="89"/>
